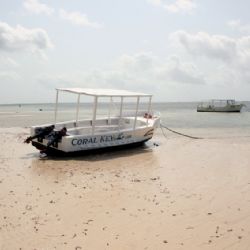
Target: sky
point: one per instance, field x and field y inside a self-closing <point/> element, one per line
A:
<point x="177" y="50"/>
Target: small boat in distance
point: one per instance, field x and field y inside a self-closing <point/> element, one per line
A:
<point x="220" y="106"/>
<point x="126" y="128"/>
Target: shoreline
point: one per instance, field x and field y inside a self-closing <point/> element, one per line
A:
<point x="183" y="194"/>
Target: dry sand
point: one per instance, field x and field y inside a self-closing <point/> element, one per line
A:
<point x="183" y="194"/>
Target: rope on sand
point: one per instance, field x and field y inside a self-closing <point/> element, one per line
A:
<point x="173" y="131"/>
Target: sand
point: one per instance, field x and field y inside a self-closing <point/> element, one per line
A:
<point x="182" y="194"/>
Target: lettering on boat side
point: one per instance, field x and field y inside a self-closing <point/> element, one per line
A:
<point x="101" y="139"/>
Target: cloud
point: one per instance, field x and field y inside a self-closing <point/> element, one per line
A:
<point x="231" y="51"/>
<point x="141" y="71"/>
<point x="36" y="7"/>
<point x="9" y="76"/>
<point x="138" y="63"/>
<point x="146" y="68"/>
<point x="226" y="57"/>
<point x="238" y="26"/>
<point x="19" y="38"/>
<point x="78" y="19"/>
<point x="175" y="71"/>
<point x="204" y="44"/>
<point x="56" y="80"/>
<point x="176" y="6"/>
<point x="7" y="62"/>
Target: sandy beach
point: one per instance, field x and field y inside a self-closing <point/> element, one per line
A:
<point x="182" y="194"/>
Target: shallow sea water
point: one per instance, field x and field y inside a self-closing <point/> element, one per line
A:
<point x="174" y="115"/>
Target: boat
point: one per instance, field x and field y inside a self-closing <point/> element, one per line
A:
<point x="217" y="105"/>
<point x="124" y="129"/>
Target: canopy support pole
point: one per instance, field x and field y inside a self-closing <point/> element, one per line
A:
<point x="56" y="105"/>
<point x="121" y="107"/>
<point x="77" y="109"/>
<point x="136" y="111"/>
<point x="94" y="115"/>
<point x="110" y="103"/>
<point x="149" y="108"/>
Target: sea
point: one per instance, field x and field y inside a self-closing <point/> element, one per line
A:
<point x="175" y="115"/>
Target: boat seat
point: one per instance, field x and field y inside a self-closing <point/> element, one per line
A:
<point x="77" y="130"/>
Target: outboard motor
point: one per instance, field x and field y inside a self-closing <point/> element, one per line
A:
<point x="40" y="133"/>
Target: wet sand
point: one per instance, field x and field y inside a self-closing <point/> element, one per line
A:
<point x="182" y="194"/>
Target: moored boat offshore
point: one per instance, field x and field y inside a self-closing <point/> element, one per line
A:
<point x="218" y="105"/>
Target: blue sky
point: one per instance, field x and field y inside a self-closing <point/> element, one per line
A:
<point x="179" y="50"/>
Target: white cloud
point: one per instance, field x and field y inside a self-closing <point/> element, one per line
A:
<point x="19" y="38"/>
<point x="138" y="63"/>
<point x="7" y="62"/>
<point x="9" y="76"/>
<point x="176" y="6"/>
<point x="147" y="70"/>
<point x="226" y="56"/>
<point x="78" y="19"/>
<point x="234" y="23"/>
<point x="176" y="71"/>
<point x="36" y="7"/>
<point x="238" y="26"/>
<point x="204" y="44"/>
<point x="141" y="71"/>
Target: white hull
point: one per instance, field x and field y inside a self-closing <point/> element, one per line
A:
<point x="219" y="105"/>
<point x="228" y="108"/>
<point x="81" y="139"/>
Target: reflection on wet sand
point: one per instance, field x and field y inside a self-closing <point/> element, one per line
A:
<point x="90" y="166"/>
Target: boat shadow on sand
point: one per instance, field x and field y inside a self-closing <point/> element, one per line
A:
<point x="100" y="154"/>
<point x="111" y="163"/>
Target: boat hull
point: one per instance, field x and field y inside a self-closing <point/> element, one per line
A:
<point x="231" y="109"/>
<point x="77" y="143"/>
<point x="57" y="152"/>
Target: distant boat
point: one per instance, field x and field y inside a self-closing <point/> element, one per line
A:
<point x="220" y="106"/>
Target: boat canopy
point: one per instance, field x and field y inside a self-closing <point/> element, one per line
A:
<point x="104" y="92"/>
<point x="110" y="93"/>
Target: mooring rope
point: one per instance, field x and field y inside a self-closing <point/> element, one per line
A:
<point x="173" y="131"/>
<point x="163" y="132"/>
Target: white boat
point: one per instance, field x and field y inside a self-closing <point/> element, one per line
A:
<point x="81" y="135"/>
<point x="220" y="106"/>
